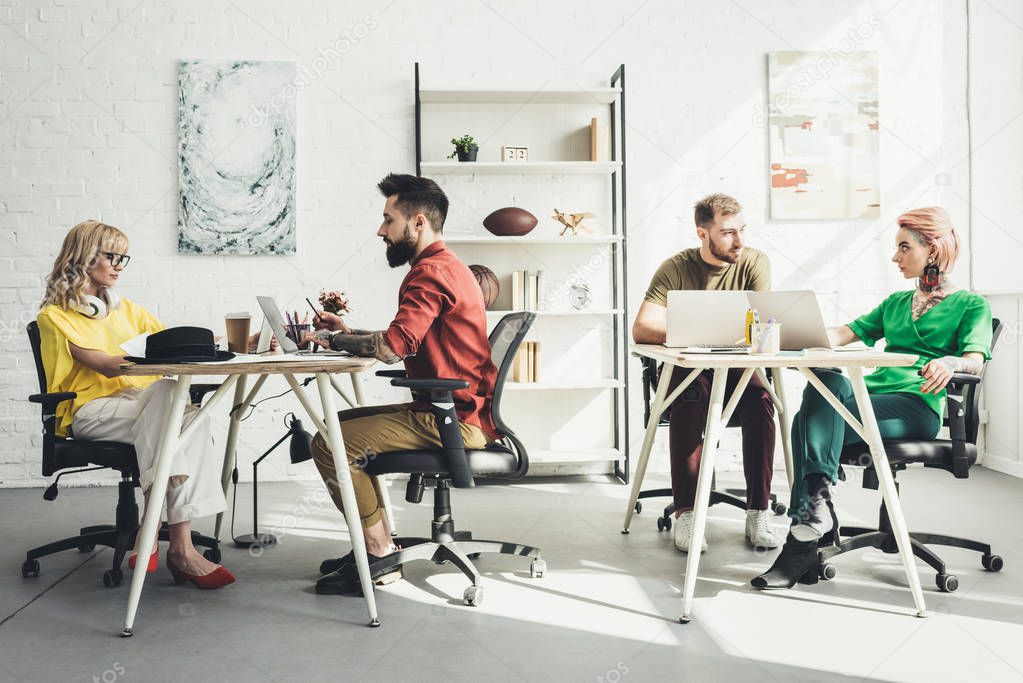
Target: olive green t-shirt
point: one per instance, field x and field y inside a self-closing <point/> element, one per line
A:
<point x="688" y="270"/>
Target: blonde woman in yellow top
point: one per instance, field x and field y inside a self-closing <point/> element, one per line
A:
<point x="82" y="324"/>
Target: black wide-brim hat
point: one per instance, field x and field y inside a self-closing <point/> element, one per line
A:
<point x="181" y="345"/>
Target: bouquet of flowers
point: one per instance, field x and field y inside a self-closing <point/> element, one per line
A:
<point x="334" y="301"/>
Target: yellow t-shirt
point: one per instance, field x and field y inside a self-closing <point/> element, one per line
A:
<point x="58" y="326"/>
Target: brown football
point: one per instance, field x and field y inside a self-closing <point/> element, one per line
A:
<point x="510" y="221"/>
<point x="488" y="284"/>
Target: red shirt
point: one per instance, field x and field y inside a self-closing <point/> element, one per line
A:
<point x="441" y="332"/>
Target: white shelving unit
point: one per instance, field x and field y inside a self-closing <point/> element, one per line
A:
<point x="518" y="96"/>
<point x="520" y="167"/>
<point x="457" y="238"/>
<point x="574" y="419"/>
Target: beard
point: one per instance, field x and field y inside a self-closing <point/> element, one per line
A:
<point x="401" y="252"/>
<point x="722" y="254"/>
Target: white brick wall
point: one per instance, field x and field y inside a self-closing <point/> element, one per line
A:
<point x="88" y="129"/>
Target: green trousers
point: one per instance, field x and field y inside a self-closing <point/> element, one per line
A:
<point x="819" y="433"/>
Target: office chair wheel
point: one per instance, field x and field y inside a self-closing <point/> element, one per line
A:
<point x="86" y="547"/>
<point x="537" y="568"/>
<point x="992" y="563"/>
<point x="638" y="507"/>
<point x="112" y="578"/>
<point x="947" y="583"/>
<point x="212" y="554"/>
<point x="664" y="523"/>
<point x="473" y="596"/>
<point x="29" y="569"/>
<point x="827" y="571"/>
<point x="779" y="509"/>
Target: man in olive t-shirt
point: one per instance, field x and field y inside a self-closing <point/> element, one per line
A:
<point x="721" y="262"/>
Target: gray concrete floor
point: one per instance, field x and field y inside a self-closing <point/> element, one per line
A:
<point x="605" y="611"/>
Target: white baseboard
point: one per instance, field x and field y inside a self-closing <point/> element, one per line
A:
<point x="1004" y="465"/>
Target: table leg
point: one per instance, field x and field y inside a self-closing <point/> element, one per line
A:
<point x="344" y="481"/>
<point x="888" y="491"/>
<point x="157" y="493"/>
<point x="356" y="378"/>
<point x="238" y="407"/>
<point x="336" y="383"/>
<point x="711" y="436"/>
<point x="656" y="408"/>
<point x="385" y="493"/>
<point x="785" y="422"/>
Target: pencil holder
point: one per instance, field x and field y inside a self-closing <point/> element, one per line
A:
<point x="296" y="332"/>
<point x="766" y="338"/>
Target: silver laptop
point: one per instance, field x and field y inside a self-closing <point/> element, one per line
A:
<point x="273" y="318"/>
<point x="802" y="325"/>
<point x="707" y="321"/>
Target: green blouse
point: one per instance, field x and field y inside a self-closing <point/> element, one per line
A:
<point x="959" y="324"/>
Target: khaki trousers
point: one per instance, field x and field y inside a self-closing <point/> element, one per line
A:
<point x="370" y="432"/>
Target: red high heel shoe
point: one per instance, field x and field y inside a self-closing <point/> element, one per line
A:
<point x="218" y="578"/>
<point x="154" y="561"/>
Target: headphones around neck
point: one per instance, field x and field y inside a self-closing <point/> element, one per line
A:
<point x="98" y="307"/>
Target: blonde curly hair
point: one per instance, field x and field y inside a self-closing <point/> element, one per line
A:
<point x="66" y="283"/>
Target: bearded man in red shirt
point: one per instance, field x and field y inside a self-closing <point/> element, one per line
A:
<point x="439" y="331"/>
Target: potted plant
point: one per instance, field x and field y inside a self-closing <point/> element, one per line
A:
<point x="465" y="148"/>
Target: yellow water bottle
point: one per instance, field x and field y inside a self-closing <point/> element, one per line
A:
<point x="750" y="317"/>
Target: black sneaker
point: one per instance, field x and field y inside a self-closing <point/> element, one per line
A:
<point x="345" y="581"/>
<point x="331" y="566"/>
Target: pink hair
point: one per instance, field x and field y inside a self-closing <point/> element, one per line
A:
<point x="933" y="228"/>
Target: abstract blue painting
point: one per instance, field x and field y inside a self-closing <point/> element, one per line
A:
<point x="236" y="143"/>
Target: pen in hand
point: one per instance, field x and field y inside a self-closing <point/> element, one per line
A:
<point x="316" y="313"/>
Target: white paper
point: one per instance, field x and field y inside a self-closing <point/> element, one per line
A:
<point x="136" y="346"/>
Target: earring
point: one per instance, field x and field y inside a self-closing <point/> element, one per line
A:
<point x="932" y="275"/>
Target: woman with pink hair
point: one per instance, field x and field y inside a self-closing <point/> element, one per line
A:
<point x="948" y="328"/>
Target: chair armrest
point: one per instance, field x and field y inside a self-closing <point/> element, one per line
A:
<point x="442" y="405"/>
<point x="430" y="384"/>
<point x="50" y="401"/>
<point x="390" y="373"/>
<point x="956" y="408"/>
<point x="963" y="378"/>
<point x="196" y="392"/>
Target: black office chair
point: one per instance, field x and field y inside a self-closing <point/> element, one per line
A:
<point x="734" y="497"/>
<point x="453" y="465"/>
<point x="955" y="454"/>
<point x="60" y="454"/>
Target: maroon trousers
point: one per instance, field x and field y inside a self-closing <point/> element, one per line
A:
<point x="688" y="415"/>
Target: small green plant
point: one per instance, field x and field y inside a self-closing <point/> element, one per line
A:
<point x="465" y="144"/>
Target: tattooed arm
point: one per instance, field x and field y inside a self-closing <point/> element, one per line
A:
<point x="939" y="371"/>
<point x="358" y="342"/>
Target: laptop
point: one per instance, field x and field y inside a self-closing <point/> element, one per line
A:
<point x="702" y="321"/>
<point x="802" y="324"/>
<point x="272" y="314"/>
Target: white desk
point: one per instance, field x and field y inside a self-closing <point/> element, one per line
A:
<point x="719" y="412"/>
<point x="662" y="403"/>
<point x="241" y="404"/>
<point x="327" y="424"/>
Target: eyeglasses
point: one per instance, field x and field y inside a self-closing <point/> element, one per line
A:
<point x="117" y="259"/>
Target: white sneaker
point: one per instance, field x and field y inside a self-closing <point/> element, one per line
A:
<point x="758" y="532"/>
<point x="684" y="532"/>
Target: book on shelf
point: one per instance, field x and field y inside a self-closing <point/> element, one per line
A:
<point x="599" y="140"/>
<point x="526" y="290"/>
<point x="526" y="366"/>
<point x="530" y="377"/>
<point x="516" y="290"/>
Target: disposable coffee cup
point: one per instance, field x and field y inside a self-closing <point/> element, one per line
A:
<point x="766" y="338"/>
<point x="238" y="331"/>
